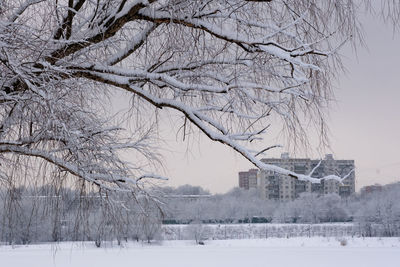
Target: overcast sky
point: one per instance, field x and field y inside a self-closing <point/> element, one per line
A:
<point x="364" y="123"/>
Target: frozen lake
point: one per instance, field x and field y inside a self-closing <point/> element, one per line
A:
<point x="299" y="252"/>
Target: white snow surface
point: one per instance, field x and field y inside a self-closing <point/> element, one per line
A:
<point x="301" y="251"/>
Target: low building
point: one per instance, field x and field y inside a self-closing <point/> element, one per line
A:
<point x="248" y="179"/>
<point x="369" y="189"/>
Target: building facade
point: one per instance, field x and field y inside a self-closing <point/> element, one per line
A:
<point x="248" y="179"/>
<point x="275" y="186"/>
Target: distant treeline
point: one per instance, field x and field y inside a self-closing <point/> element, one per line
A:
<point x="376" y="213"/>
<point x="225" y="221"/>
<point x="46" y="214"/>
<point x="252" y="220"/>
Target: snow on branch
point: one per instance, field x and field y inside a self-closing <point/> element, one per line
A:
<point x="22" y="9"/>
<point x="216" y="133"/>
<point x="230" y="68"/>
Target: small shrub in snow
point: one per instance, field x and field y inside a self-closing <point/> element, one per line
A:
<point x="198" y="232"/>
<point x="343" y="242"/>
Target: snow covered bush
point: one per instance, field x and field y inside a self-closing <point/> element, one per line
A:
<point x="197" y="231"/>
<point x="379" y="213"/>
<point x="312" y="208"/>
<point x="343" y="242"/>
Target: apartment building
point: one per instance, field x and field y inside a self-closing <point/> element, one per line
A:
<point x="276" y="186"/>
<point x="339" y="167"/>
<point x="248" y="179"/>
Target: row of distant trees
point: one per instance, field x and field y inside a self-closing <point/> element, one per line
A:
<point x="45" y="214"/>
<point x="240" y="205"/>
<point x="376" y="213"/>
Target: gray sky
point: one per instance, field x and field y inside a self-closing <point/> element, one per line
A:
<point x="364" y="124"/>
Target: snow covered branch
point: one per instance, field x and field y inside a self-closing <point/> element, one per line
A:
<point x="230" y="68"/>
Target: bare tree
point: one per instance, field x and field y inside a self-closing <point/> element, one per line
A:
<point x="228" y="68"/>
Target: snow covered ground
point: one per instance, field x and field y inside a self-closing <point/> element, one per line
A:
<point x="310" y="252"/>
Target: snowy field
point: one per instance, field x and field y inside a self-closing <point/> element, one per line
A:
<point x="310" y="252"/>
